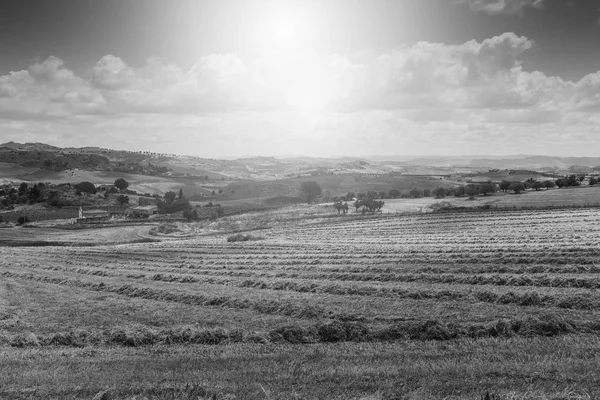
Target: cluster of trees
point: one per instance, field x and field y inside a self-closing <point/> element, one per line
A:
<point x="368" y="203"/>
<point x="24" y="194"/>
<point x="570" y="180"/>
<point x="340" y="207"/>
<point x="215" y="211"/>
<point x="133" y="167"/>
<point x="171" y="203"/>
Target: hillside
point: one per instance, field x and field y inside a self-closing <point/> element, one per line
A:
<point x="263" y="177"/>
<point x="331" y="184"/>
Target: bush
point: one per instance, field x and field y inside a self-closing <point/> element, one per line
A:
<point x="191" y="215"/>
<point x="240" y="237"/>
<point x="121" y="184"/>
<point x="86" y="187"/>
<point x="122" y="199"/>
<point x="22" y="220"/>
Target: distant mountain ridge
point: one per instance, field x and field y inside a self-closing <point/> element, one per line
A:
<point x="55" y="158"/>
<point x="30" y="146"/>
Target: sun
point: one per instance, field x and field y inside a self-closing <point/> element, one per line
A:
<point x="284" y="30"/>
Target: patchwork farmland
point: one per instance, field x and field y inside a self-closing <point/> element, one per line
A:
<point x="505" y="301"/>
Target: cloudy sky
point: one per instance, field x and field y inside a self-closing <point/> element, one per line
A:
<point x="313" y="77"/>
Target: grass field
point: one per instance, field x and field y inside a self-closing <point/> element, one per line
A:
<point x="423" y="306"/>
<point x="580" y="196"/>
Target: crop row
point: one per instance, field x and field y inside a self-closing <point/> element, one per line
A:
<point x="263" y="306"/>
<point x="581" y="282"/>
<point x="579" y="301"/>
<point x="328" y="331"/>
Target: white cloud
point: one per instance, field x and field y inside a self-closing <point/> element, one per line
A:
<point x="501" y="6"/>
<point x="455" y="98"/>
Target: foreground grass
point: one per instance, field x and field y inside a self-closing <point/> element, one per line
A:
<point x="518" y="368"/>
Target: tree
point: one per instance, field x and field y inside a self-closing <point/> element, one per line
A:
<point x="35" y="194"/>
<point x="459" y="191"/>
<point x="382" y="195"/>
<point x="311" y="190"/>
<point x="394" y="193"/>
<point x="372" y="194"/>
<point x="369" y="204"/>
<point x="593" y="181"/>
<point x="549" y="184"/>
<point x="426" y="192"/>
<point x="338" y="206"/>
<point x="23" y="187"/>
<point x="573" y="180"/>
<point x="504" y="185"/>
<point x="439" y="192"/>
<point x="122" y="199"/>
<point x="517" y="187"/>
<point x="537" y="186"/>
<point x="471" y="191"/>
<point x="181" y="193"/>
<point x="121" y="184"/>
<point x="86" y="187"/>
<point x="191" y="214"/>
<point x="55" y="199"/>
<point x="486" y="188"/>
<point x="345" y="208"/>
<point x="170" y="197"/>
<point x="416" y="193"/>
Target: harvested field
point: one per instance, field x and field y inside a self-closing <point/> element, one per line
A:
<point x="468" y="290"/>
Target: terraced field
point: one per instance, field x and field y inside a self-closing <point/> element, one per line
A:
<point x="524" y="277"/>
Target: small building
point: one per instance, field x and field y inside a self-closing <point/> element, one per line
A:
<point x="92" y="215"/>
<point x="144" y="211"/>
<point x="105" y="187"/>
<point x="147" y="201"/>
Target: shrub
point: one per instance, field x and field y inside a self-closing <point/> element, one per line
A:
<point x="240" y="237"/>
<point x="190" y="215"/>
<point x="122" y="199"/>
<point x="121" y="184"/>
<point x="86" y="187"/>
<point x="22" y="220"/>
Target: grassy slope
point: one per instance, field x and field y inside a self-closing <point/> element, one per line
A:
<point x="334" y="184"/>
<point x="554" y="197"/>
<point x="538" y="368"/>
<point x="362" y="268"/>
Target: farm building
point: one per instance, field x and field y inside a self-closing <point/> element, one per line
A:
<point x="147" y="201"/>
<point x="105" y="187"/>
<point x="144" y="211"/>
<point x="93" y="215"/>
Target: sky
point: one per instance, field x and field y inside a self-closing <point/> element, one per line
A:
<point x="234" y="78"/>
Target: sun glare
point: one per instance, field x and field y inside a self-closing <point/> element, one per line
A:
<point x="284" y="30"/>
<point x="308" y="96"/>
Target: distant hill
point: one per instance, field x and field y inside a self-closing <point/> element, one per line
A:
<point x="30" y="146"/>
<point x="536" y="162"/>
<point x="257" y="168"/>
